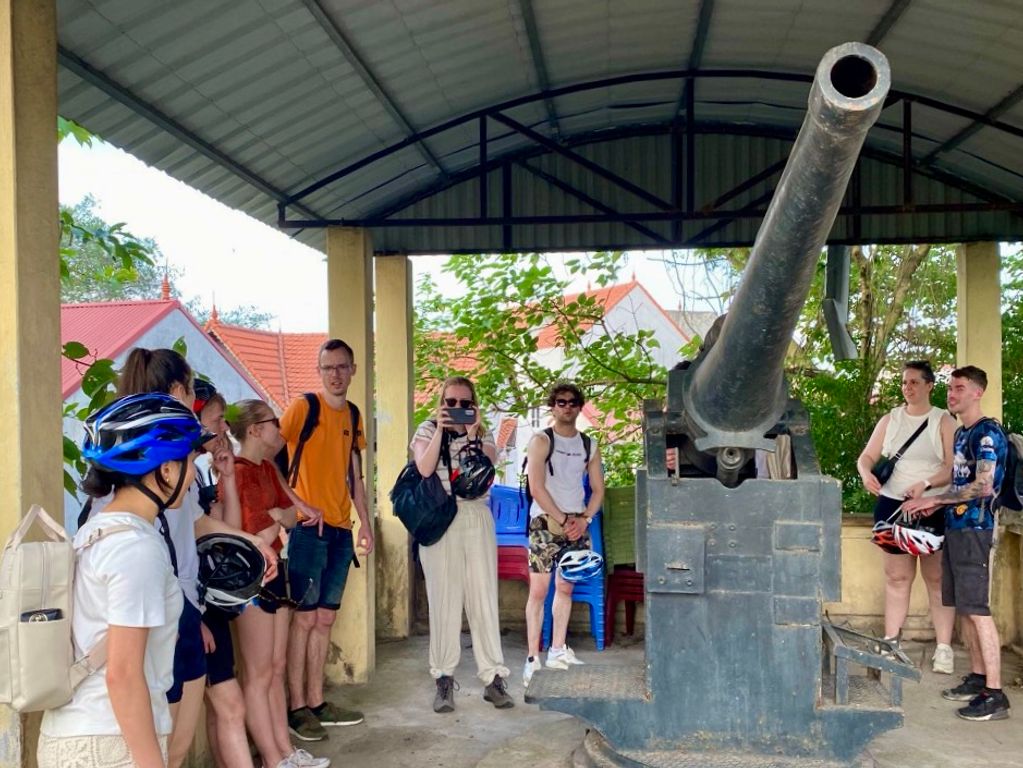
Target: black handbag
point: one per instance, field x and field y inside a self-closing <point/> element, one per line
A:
<point x="421" y="503"/>
<point x="885" y="466"/>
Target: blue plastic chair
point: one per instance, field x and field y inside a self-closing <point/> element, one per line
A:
<point x="592" y="591"/>
<point x="511" y="517"/>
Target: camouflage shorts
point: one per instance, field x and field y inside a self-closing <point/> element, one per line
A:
<point x="547" y="542"/>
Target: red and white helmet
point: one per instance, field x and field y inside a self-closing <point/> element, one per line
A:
<point x="916" y="540"/>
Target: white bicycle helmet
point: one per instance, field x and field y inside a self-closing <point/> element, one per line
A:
<point x="916" y="540"/>
<point x="577" y="565"/>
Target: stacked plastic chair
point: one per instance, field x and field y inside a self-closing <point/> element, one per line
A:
<point x="624" y="582"/>
<point x="591" y="591"/>
<point x="510" y="520"/>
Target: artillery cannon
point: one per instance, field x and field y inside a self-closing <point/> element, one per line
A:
<point x="740" y="669"/>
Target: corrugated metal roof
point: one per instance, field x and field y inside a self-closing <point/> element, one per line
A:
<point x="284" y="98"/>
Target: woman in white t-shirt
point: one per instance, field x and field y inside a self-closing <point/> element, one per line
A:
<point x="142" y="449"/>
<point x="923" y="470"/>
<point x="461" y="567"/>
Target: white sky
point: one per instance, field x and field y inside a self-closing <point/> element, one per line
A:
<point x="224" y="253"/>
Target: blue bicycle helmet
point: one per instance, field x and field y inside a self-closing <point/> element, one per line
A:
<point x="136" y="434"/>
<point x="577" y="565"/>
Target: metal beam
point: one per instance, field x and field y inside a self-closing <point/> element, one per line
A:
<point x="390" y="105"/>
<point x="625" y="218"/>
<point x="695" y="53"/>
<point x="593" y="202"/>
<point x="72" y="62"/>
<point x="752" y="181"/>
<point x="539" y="63"/>
<point x="994" y="113"/>
<point x="589" y="165"/>
<point x="891" y="16"/>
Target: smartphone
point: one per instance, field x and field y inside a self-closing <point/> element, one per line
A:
<point x="462" y="415"/>
<point x="43" y="614"/>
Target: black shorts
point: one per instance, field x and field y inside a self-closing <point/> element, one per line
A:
<point x="966" y="571"/>
<point x="219" y="663"/>
<point x="273" y="591"/>
<point x="189" y="655"/>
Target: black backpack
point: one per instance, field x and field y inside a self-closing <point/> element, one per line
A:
<point x="289" y="465"/>
<point x="549" y="431"/>
<point x="421" y="503"/>
<point x="1010" y="494"/>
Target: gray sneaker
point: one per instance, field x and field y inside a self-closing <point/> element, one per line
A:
<point x="304" y="726"/>
<point x="444" y="701"/>
<point x="497" y="693"/>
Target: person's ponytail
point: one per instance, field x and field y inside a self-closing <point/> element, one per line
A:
<point x="152" y="370"/>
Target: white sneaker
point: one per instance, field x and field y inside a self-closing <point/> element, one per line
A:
<point x="944" y="659"/>
<point x="532" y="665"/>
<point x="562" y="658"/>
<point x="302" y="759"/>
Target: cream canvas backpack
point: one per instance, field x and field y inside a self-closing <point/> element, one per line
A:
<point x="37" y="666"/>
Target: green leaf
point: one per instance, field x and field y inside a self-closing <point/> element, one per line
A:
<point x="98" y="376"/>
<point x="232" y="412"/>
<point x="72" y="452"/>
<point x="180" y="346"/>
<point x="69" y="484"/>
<point x="75" y="350"/>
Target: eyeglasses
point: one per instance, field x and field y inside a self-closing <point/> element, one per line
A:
<point x="562" y="403"/>
<point x="275" y="421"/>
<point x="338" y="369"/>
<point x="451" y="402"/>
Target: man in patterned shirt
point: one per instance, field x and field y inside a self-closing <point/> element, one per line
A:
<point x="971" y="520"/>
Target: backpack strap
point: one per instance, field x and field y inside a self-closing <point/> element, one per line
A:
<point x="83" y="516"/>
<point x="549" y="431"/>
<point x="587" y="447"/>
<point x="354" y="452"/>
<point x="96" y="657"/>
<point x="312" y="420"/>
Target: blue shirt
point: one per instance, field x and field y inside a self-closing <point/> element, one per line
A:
<point x="984" y="441"/>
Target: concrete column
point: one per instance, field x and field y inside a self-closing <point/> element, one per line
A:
<point x="979" y="320"/>
<point x="30" y="453"/>
<point x="352" y="655"/>
<point x="394" y="420"/>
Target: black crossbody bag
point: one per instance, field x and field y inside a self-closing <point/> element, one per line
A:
<point x="884" y="466"/>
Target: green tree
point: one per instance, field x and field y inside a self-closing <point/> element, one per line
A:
<point x="490" y="334"/>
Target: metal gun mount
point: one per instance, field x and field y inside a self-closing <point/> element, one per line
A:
<point x="736" y="568"/>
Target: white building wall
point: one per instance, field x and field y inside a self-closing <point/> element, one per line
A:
<point x="204" y="356"/>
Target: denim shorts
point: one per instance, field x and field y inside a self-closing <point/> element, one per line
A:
<point x="318" y="566"/>
<point x="189" y="654"/>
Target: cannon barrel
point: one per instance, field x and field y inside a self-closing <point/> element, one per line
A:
<point x="736" y="390"/>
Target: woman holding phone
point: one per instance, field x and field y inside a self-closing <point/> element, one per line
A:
<point x="461" y="568"/>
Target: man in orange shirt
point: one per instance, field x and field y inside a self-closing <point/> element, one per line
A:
<point x="329" y="478"/>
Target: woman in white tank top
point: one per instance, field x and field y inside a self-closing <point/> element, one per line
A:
<point x="923" y="470"/>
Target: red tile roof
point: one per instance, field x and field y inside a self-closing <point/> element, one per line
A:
<point x="283" y="365"/>
<point x="107" y="329"/>
<point x="505" y="431"/>
<point x="608" y="297"/>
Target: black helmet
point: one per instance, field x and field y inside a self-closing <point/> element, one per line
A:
<point x="230" y="571"/>
<point x="473" y="473"/>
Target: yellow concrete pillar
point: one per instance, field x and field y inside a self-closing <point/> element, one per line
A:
<point x="979" y="319"/>
<point x="394" y="422"/>
<point x="30" y="453"/>
<point x="352" y="655"/>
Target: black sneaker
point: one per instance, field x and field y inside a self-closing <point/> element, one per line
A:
<point x="497" y="693"/>
<point x="444" y="701"/>
<point x="967" y="690"/>
<point x="988" y="705"/>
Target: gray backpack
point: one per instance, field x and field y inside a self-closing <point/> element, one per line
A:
<point x="37" y="666"/>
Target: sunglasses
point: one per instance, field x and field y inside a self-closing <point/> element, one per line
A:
<point x="275" y="421"/>
<point x="562" y="403"/>
<point x="451" y="402"/>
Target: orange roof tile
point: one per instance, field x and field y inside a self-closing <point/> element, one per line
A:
<point x="283" y="365"/>
<point x="505" y="431"/>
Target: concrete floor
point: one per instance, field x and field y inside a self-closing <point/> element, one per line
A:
<point x="402" y="731"/>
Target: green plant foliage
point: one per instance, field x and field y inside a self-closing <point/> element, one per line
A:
<point x="490" y="332"/>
